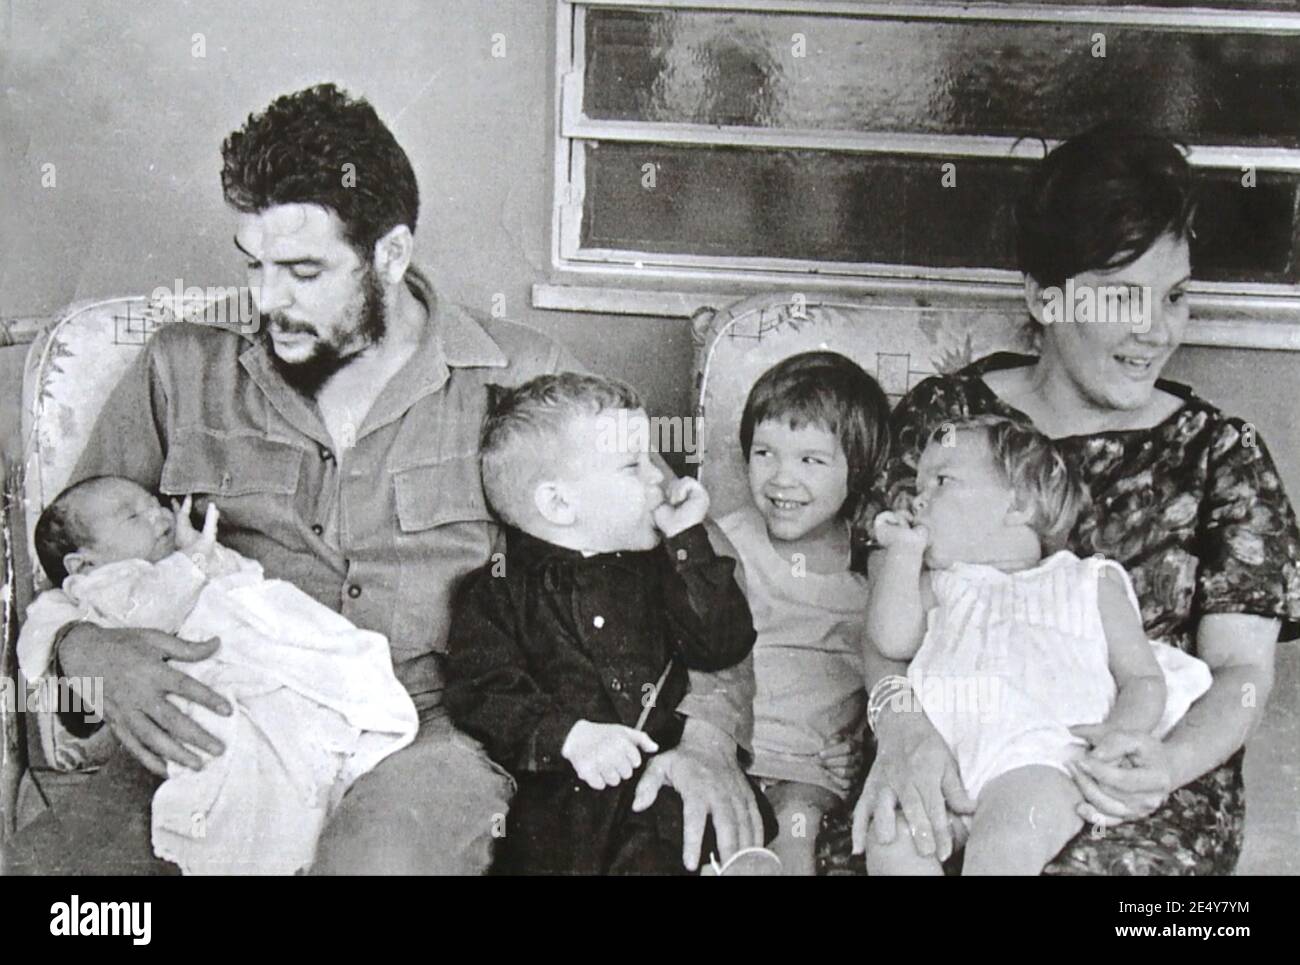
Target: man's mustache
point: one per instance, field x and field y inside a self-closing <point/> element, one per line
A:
<point x="287" y="327"/>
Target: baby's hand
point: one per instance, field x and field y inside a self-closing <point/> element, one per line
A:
<point x="897" y="529"/>
<point x="1110" y="744"/>
<point x="199" y="546"/>
<point x="605" y="754"/>
<point x="685" y="505"/>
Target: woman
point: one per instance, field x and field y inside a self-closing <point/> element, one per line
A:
<point x="1186" y="498"/>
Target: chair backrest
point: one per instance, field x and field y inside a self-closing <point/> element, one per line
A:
<point x="899" y="345"/>
<point x="71" y="368"/>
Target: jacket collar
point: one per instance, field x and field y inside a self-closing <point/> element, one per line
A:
<point x="529" y="552"/>
<point x="450" y="339"/>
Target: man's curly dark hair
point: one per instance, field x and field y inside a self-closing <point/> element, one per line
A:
<point x="295" y="152"/>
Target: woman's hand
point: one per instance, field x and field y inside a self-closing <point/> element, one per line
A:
<point x="1125" y="775"/>
<point x="914" y="770"/>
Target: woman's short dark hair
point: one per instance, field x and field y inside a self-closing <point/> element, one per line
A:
<point x="829" y="390"/>
<point x="1100" y="201"/>
<point x="320" y="146"/>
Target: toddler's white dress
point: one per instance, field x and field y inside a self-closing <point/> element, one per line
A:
<point x="1011" y="661"/>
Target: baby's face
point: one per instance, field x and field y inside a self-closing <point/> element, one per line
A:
<point x="798" y="479"/>
<point x="962" y="499"/>
<point x="126" y="523"/>
<point x="611" y="482"/>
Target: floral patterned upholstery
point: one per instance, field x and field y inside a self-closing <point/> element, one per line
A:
<point x="71" y="368"/>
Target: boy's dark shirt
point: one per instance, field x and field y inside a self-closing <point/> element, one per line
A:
<point x="546" y="637"/>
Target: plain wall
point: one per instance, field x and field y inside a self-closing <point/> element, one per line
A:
<point x="114" y="98"/>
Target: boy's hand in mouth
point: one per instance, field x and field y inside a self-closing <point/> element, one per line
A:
<point x="685" y="504"/>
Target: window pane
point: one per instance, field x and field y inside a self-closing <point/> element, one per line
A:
<point x="1285" y="6"/>
<point x="823" y="206"/>
<point x="957" y="77"/>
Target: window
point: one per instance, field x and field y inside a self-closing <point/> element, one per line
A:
<point x="879" y="146"/>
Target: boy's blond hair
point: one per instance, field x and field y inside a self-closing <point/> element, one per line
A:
<point x="525" y="437"/>
<point x="1033" y="466"/>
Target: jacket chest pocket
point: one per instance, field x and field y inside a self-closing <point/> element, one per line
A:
<point x="444" y="532"/>
<point x="228" y="466"/>
<point x="450" y="491"/>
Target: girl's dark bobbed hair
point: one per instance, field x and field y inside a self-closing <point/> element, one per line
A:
<point x="1100" y="201"/>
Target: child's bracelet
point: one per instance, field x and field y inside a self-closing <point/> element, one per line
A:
<point x="885" y="690"/>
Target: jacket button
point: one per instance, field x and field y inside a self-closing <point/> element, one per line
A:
<point x="325" y="454"/>
<point x="317" y="528"/>
<point x="598" y="622"/>
<point x="354" y="591"/>
<point x="615" y="684"/>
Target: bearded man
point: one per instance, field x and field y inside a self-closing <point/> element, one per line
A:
<point x="340" y="442"/>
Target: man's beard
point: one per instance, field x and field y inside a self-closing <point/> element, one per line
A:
<point x="327" y="358"/>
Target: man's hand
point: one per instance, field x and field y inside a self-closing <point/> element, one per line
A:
<point x="605" y="755"/>
<point x="899" y="529"/>
<point x="913" y="770"/>
<point x="685" y="504"/>
<point x="137" y="680"/>
<point x="703" y="769"/>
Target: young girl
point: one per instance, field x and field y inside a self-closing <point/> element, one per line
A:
<point x="1012" y="640"/>
<point x="815" y="435"/>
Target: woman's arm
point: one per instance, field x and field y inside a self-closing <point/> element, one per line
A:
<point x="913" y="771"/>
<point x="1239" y="649"/>
<point x="1135" y="775"/>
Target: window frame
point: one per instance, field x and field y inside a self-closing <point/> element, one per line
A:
<point x="671" y="283"/>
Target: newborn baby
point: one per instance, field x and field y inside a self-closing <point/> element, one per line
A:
<point x="316" y="703"/>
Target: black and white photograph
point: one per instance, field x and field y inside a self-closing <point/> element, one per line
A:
<point x="641" y="438"/>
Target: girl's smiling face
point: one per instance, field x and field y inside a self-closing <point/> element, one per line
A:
<point x="798" y="478"/>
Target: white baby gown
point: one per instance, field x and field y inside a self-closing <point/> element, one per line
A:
<point x="316" y="705"/>
<point x="1011" y="661"/>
